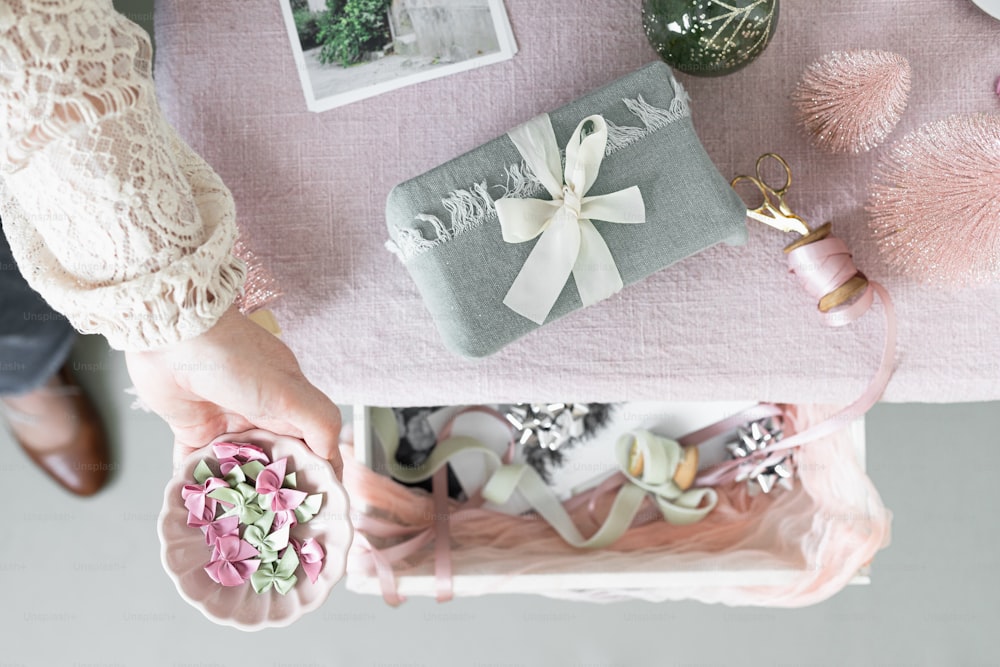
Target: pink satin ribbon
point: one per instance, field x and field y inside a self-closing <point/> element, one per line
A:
<point x="200" y="507"/>
<point x="311" y="556"/>
<point x="823" y="266"/>
<point x="420" y="536"/>
<point x="762" y="411"/>
<point x="269" y="481"/>
<point x="242" y="451"/>
<point x="232" y="561"/>
<point x="225" y="527"/>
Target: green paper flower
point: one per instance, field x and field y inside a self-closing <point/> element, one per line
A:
<point x="202" y="472"/>
<point x="309" y="507"/>
<point x="262" y="503"/>
<point x="251" y="469"/>
<point x="267" y="545"/>
<point x="235" y="476"/>
<point x="243" y="500"/>
<point x="281" y="574"/>
<point x="265" y="522"/>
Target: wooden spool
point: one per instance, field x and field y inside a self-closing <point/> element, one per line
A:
<point x="683" y="477"/>
<point x="852" y="289"/>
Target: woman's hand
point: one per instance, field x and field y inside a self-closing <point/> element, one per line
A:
<point x="234" y="377"/>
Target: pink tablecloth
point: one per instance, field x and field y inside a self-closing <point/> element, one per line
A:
<point x="727" y="324"/>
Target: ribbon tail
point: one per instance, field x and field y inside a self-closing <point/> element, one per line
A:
<point x="595" y="271"/>
<point x="688" y="508"/>
<point x="383" y="570"/>
<point x="539" y="496"/>
<point x="624" y="206"/>
<point x="546" y="270"/>
<point x="523" y="219"/>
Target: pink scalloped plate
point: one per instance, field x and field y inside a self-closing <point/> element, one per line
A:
<point x="185" y="554"/>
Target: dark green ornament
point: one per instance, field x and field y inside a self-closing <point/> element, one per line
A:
<point x="709" y="37"/>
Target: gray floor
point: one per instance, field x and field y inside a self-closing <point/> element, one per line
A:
<point x="82" y="584"/>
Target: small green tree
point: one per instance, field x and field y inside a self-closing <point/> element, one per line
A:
<point x="350" y="28"/>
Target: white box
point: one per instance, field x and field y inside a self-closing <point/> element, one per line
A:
<point x="669" y="424"/>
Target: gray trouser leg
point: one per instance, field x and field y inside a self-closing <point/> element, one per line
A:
<point x="34" y="339"/>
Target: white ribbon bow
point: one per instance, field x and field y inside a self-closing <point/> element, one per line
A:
<point x="569" y="241"/>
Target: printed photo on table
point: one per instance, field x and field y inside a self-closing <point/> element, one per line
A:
<point x="348" y="50"/>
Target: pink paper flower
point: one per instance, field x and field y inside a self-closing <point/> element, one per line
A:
<point x="235" y="450"/>
<point x="228" y="464"/>
<point x="224" y="527"/>
<point x="269" y="483"/>
<point x="232" y="561"/>
<point x="201" y="508"/>
<point x="311" y="556"/>
<point x="283" y="518"/>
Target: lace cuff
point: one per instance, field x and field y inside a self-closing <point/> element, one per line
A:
<point x="127" y="233"/>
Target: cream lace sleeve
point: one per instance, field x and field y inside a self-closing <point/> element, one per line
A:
<point x="110" y="215"/>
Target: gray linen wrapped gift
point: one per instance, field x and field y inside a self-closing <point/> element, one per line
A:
<point x="445" y="226"/>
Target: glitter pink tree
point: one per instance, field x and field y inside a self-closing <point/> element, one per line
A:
<point x="849" y="101"/>
<point x="934" y="205"/>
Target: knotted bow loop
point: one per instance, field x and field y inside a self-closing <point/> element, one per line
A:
<point x="661" y="456"/>
<point x="569" y="243"/>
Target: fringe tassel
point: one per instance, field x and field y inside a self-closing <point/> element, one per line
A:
<point x="620" y="136"/>
<point x="469" y="208"/>
<point x="521" y="181"/>
<point x="655" y="118"/>
<point x="440" y="230"/>
<point x="410" y="243"/>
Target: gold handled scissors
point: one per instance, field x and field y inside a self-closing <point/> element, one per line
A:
<point x="773" y="210"/>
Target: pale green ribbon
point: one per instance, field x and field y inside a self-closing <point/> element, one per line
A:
<point x="244" y="500"/>
<point x="661" y="457"/>
<point x="309" y="507"/>
<point x="267" y="545"/>
<point x="280" y="574"/>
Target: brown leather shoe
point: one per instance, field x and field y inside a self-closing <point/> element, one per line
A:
<point x="59" y="429"/>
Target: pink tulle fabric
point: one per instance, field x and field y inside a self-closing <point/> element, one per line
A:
<point x="825" y="530"/>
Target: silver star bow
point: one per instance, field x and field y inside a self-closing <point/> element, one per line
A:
<point x="547" y="425"/>
<point x="765" y="472"/>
